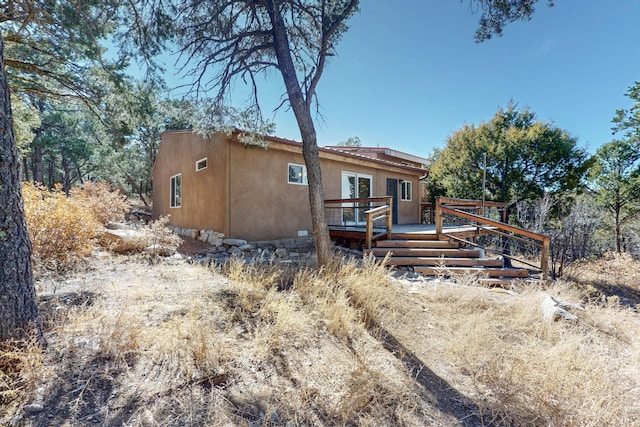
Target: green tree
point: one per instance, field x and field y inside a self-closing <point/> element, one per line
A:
<point x="352" y="141"/>
<point x="526" y="158"/>
<point x="45" y="48"/>
<point x="628" y="120"/>
<point x="616" y="177"/>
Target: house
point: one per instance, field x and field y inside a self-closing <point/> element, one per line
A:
<point x="254" y="193"/>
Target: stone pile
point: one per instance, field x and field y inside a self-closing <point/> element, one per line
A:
<point x="300" y="250"/>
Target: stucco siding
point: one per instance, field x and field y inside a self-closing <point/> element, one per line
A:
<point x="263" y="204"/>
<point x="204" y="192"/>
<point x="244" y="191"/>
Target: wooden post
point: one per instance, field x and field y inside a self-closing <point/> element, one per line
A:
<point x="438" y="217"/>
<point x="544" y="258"/>
<point x="389" y="217"/>
<point x="369" y="230"/>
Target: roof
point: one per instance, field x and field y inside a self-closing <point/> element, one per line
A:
<point x="383" y="150"/>
<point x="338" y="151"/>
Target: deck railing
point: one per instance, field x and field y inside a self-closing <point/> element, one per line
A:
<point x="461" y="210"/>
<point x="371" y="213"/>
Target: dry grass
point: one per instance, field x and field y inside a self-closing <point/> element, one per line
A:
<point x="613" y="277"/>
<point x="520" y="370"/>
<point x="20" y="366"/>
<point x="533" y="373"/>
<point x="60" y="227"/>
<point x="179" y="344"/>
<point x="106" y="203"/>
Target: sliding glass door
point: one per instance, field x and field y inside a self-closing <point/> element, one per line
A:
<point x="355" y="186"/>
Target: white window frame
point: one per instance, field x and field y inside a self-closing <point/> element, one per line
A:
<point x="175" y="202"/>
<point x="406" y="191"/>
<point x="356" y="208"/>
<point x="206" y="164"/>
<point x="303" y="171"/>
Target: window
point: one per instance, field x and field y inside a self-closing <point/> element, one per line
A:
<point x="201" y="164"/>
<point x="297" y="174"/>
<point x="406" y="190"/>
<point x="355" y="186"/>
<point x="176" y="191"/>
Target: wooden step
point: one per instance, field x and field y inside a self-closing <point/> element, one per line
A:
<point x="444" y="261"/>
<point x="426" y="244"/>
<point x="425" y="252"/>
<point x="480" y="272"/>
<point x="413" y="236"/>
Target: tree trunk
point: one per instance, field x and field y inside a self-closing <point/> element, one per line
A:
<point x="37" y="165"/>
<point x="66" y="180"/>
<point x="307" y="133"/>
<point x="79" y="172"/>
<point x="18" y="307"/>
<point x="617" y="225"/>
<point x="52" y="175"/>
<point x="25" y="168"/>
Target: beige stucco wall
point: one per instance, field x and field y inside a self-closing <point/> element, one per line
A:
<point x="263" y="205"/>
<point x="245" y="193"/>
<point x="204" y="193"/>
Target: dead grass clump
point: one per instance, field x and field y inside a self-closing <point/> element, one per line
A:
<point x="99" y="331"/>
<point x="348" y="295"/>
<point x="60" y="227"/>
<point x="613" y="269"/>
<point x="20" y="366"/>
<point x="354" y="380"/>
<point x="529" y="372"/>
<point x="370" y="287"/>
<point x="191" y="345"/>
<point x="160" y="235"/>
<point x="262" y="276"/>
<point x="106" y="204"/>
<point x="612" y="276"/>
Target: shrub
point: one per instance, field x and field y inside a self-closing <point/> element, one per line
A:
<point x="60" y="227"/>
<point x="107" y="204"/>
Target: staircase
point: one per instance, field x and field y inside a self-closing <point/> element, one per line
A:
<point x="431" y="256"/>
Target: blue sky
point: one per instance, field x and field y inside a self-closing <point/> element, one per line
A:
<point x="409" y="73"/>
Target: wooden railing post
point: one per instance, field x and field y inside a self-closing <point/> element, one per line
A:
<point x="438" y="217"/>
<point x="369" y="233"/>
<point x="544" y="258"/>
<point x="389" y="217"/>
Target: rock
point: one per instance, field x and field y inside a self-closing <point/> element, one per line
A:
<point x="246" y="247"/>
<point x="234" y="242"/>
<point x="193" y="233"/>
<point x="554" y="309"/>
<point x="267" y="253"/>
<point x="161" y="250"/>
<point x="118" y="226"/>
<point x="288" y="243"/>
<point x="125" y="240"/>
<point x="33" y="408"/>
<point x="215" y="238"/>
<point x="204" y="236"/>
<point x="234" y="250"/>
<point x="294" y="254"/>
<point x="281" y="252"/>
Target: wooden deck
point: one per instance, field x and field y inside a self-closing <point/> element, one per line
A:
<point x="407" y="231"/>
<point x="470" y="217"/>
